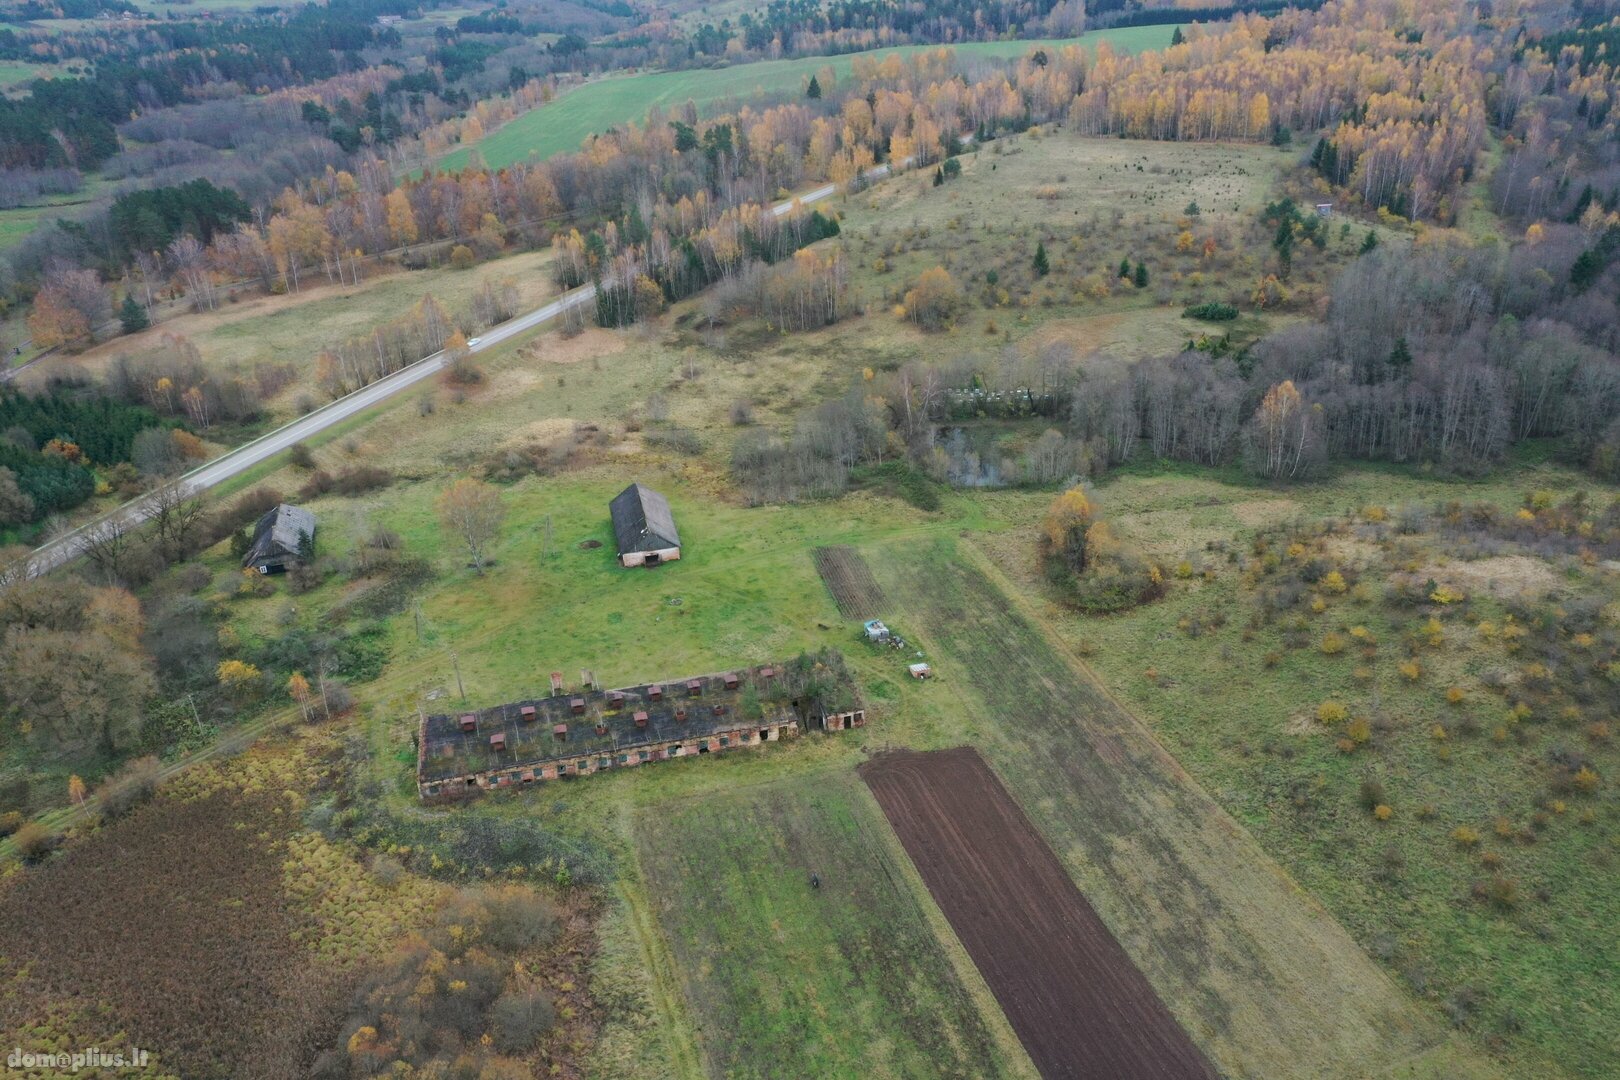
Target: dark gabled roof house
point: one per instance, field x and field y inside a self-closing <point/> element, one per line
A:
<point x="281" y="540"/>
<point x="643" y="527"/>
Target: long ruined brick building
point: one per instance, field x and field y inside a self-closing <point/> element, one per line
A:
<point x="574" y="733"/>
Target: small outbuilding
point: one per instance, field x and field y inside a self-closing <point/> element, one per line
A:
<point x="644" y="528"/>
<point x="283" y="539"/>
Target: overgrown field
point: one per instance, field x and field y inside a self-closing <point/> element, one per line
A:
<point x="262" y="332"/>
<point x="1184" y="212"/>
<point x="1489" y="887"/>
<point x="596" y="106"/>
<point x="782" y="978"/>
<point x="1263" y="979"/>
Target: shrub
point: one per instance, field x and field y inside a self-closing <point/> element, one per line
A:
<point x="1383" y="812"/>
<point x="1213" y="311"/>
<point x="1332" y="643"/>
<point x="34" y="841"/>
<point x="519" y="1018"/>
<point x="1358" y="731"/>
<point x="462" y="257"/>
<point x="1372" y="792"/>
<point x="1456" y="695"/>
<point x="1411" y="670"/>
<point x="517" y="918"/>
<point x="1502" y="892"/>
<point x="1332" y="712"/>
<point x="1465" y="837"/>
<point x="133" y="785"/>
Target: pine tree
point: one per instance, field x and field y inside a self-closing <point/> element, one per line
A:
<point x="1370" y="242"/>
<point x="1141" y="276"/>
<point x="813" y="91"/>
<point x="1042" y="267"/>
<point x="132" y="315"/>
<point x="1125" y="268"/>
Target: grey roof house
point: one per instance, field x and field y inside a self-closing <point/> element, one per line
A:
<point x="283" y="539"/>
<point x="644" y="528"/>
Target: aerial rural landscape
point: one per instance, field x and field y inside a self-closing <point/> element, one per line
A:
<point x="628" y="539"/>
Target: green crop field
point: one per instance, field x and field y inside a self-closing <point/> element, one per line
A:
<point x="596" y="106"/>
<point x="848" y="979"/>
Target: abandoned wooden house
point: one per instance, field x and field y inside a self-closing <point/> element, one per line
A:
<point x="283" y="538"/>
<point x="644" y="528"/>
<point x="586" y="731"/>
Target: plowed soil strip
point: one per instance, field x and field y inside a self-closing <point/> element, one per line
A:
<point x="850" y="580"/>
<point x="1079" y="1005"/>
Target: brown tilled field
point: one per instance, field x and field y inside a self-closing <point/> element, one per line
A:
<point x="1073" y="996"/>
<point x="850" y="580"/>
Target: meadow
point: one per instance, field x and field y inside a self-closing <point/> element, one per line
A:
<point x="292" y="329"/>
<point x="596" y="106"/>
<point x="1236" y="701"/>
<point x="845" y="979"/>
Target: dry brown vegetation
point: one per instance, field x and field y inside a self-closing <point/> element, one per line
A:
<point x="176" y="951"/>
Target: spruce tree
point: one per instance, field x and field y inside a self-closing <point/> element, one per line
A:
<point x="1176" y="37"/>
<point x="939" y="177"/>
<point x="1141" y="276"/>
<point x="1400" y="357"/>
<point x="132" y="315"/>
<point x="1370" y="242"/>
<point x="1124" y="268"/>
<point x="1042" y="267"/>
<point x="813" y="91"/>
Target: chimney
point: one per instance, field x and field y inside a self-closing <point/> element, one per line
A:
<point x="469" y="722"/>
<point x="556" y="683"/>
<point x="680" y="712"/>
<point x="560" y="732"/>
<point x="641" y="719"/>
<point x="731" y="681"/>
<point x="719" y="710"/>
<point x="616" y="700"/>
<point x="527" y="714"/>
<point x="694" y="687"/>
<point x="577" y="706"/>
<point x="655" y="693"/>
<point x="601" y="725"/>
<point x="497" y="741"/>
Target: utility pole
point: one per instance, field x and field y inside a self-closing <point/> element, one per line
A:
<point x="455" y="662"/>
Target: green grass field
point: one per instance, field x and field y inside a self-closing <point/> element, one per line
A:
<point x="16" y="72"/>
<point x="564" y="124"/>
<point x="785" y="980"/>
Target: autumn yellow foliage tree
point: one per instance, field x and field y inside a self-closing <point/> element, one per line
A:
<point x="933" y="301"/>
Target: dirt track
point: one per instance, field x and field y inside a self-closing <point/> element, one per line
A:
<point x="1079" y="1005"/>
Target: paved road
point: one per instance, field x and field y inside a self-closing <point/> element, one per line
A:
<point x="70" y="546"/>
